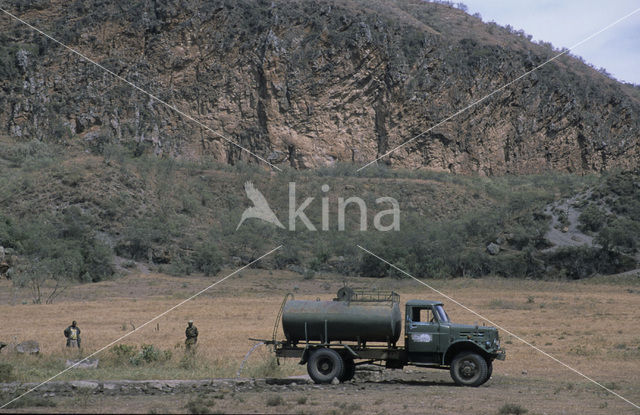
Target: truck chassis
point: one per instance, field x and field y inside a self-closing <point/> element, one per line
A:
<point x="326" y="361"/>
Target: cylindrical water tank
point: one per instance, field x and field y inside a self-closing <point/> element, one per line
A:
<point x="342" y="321"/>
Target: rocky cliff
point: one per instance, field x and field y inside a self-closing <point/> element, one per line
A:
<point x="308" y="84"/>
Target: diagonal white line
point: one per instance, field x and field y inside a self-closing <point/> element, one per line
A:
<point x="473" y="104"/>
<point x="500" y="327"/>
<point x="166" y="104"/>
<point x="143" y="325"/>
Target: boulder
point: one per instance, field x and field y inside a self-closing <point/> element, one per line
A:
<point x="84" y="384"/>
<point x="87" y="364"/>
<point x="296" y="268"/>
<point x="28" y="347"/>
<point x="4" y="267"/>
<point x="493" y="248"/>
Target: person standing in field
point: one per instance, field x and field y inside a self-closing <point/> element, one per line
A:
<point x="72" y="333"/>
<point x="192" y="335"/>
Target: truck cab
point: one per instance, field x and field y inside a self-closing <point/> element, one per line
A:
<point x="426" y="331"/>
<point x="431" y="339"/>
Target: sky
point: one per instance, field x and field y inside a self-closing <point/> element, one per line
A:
<point x="565" y="23"/>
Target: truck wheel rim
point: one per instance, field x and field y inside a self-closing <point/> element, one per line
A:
<point x="325" y="366"/>
<point x="468" y="369"/>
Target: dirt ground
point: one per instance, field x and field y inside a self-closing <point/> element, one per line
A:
<point x="591" y="326"/>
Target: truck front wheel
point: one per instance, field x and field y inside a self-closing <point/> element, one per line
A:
<point x="324" y="365"/>
<point x="469" y="369"/>
<point x="489" y="372"/>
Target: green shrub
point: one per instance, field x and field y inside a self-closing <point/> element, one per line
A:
<point x="149" y="354"/>
<point x="309" y="274"/>
<point x="592" y="218"/>
<point x="622" y="183"/>
<point x="129" y="264"/>
<point x="583" y="262"/>
<point x="62" y="247"/>
<point x="125" y="351"/>
<point x="189" y="361"/>
<point x="139" y="237"/>
<point x="275" y="400"/>
<point x="59" y="131"/>
<point x="620" y="234"/>
<point x="29" y="151"/>
<point x="287" y="255"/>
<point x="512" y="409"/>
<point x="268" y="368"/>
<point x="371" y="266"/>
<point x="200" y="405"/>
<point x="180" y="265"/>
<point x="563" y="218"/>
<point x="31" y="401"/>
<point x="207" y="259"/>
<point x="6" y="372"/>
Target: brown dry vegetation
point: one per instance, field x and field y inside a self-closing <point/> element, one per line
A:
<point x="590" y="325"/>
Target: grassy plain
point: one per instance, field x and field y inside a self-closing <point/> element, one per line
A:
<point x="591" y="325"/>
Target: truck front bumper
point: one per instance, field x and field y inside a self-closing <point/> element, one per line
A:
<point x="501" y="354"/>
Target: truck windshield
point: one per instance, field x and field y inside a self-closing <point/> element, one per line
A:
<point x="442" y="315"/>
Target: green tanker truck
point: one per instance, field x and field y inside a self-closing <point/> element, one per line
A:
<point x="363" y="327"/>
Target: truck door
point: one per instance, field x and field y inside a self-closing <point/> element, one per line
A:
<point x="422" y="335"/>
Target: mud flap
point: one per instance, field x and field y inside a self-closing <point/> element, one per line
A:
<point x="305" y="356"/>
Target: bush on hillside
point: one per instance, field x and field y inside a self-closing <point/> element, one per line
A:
<point x="621" y="234"/>
<point x="287" y="255"/>
<point x="207" y="258"/>
<point x="583" y="262"/>
<point x="61" y="247"/>
<point x="592" y="218"/>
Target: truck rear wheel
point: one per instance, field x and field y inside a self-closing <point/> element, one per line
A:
<point x="324" y="365"/>
<point x="349" y="369"/>
<point x="469" y="369"/>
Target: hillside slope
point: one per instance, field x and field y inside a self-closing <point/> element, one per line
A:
<point x="66" y="214"/>
<point x="309" y="84"/>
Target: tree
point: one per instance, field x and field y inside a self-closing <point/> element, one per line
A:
<point x="592" y="218"/>
<point x="55" y="251"/>
<point x="34" y="277"/>
<point x="620" y="235"/>
<point x="208" y="259"/>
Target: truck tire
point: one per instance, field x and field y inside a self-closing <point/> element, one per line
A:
<point x="489" y="372"/>
<point x="349" y="370"/>
<point x="324" y="365"/>
<point x="469" y="369"/>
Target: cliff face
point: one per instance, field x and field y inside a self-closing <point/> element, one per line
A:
<point x="308" y="84"/>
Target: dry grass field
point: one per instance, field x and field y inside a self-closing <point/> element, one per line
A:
<point x="591" y="325"/>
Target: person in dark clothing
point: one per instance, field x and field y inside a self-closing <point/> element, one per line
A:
<point x="72" y="333"/>
<point x="192" y="335"/>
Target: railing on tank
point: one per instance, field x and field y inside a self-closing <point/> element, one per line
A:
<point x="366" y="296"/>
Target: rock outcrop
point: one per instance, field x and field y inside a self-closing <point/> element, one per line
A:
<point x="309" y="84"/>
